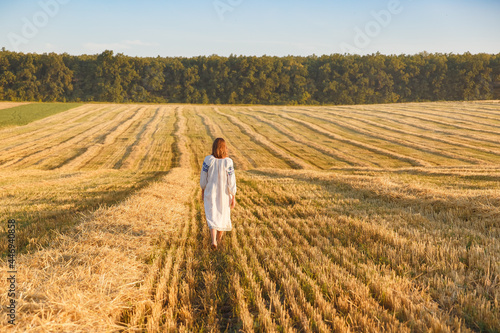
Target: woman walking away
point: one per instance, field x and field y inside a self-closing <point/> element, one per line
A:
<point x="218" y="190"/>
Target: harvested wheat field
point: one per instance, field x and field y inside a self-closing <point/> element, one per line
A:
<point x="8" y="105"/>
<point x="349" y="219"/>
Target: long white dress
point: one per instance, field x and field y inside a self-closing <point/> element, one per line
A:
<point x="219" y="182"/>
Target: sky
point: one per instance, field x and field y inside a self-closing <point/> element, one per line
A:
<point x="168" y="28"/>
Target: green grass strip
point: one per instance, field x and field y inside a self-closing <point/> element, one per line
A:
<point x="25" y="114"/>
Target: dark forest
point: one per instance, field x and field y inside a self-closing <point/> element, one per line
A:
<point x="293" y="80"/>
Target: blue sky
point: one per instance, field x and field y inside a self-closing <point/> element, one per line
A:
<point x="250" y="27"/>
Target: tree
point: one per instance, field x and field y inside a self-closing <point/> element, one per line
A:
<point x="7" y="78"/>
<point x="55" y="78"/>
<point x="332" y="79"/>
<point x="107" y="78"/>
<point x="26" y="83"/>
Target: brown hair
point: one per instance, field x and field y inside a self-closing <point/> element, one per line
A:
<point x="219" y="148"/>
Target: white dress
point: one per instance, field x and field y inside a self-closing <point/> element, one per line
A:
<point x="219" y="182"/>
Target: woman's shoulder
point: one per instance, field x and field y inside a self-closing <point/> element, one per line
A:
<point x="229" y="164"/>
<point x="207" y="162"/>
<point x="209" y="158"/>
<point x="226" y="160"/>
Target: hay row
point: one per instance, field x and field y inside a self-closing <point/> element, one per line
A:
<point x="369" y="147"/>
<point x="215" y="131"/>
<point x="420" y="146"/>
<point x="446" y="140"/>
<point x="293" y="161"/>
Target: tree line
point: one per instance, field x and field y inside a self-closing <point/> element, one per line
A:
<point x="327" y="79"/>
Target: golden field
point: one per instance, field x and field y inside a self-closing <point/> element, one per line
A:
<point x="362" y="218"/>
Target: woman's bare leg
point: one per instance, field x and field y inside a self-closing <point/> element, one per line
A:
<point x="219" y="236"/>
<point x="213" y="235"/>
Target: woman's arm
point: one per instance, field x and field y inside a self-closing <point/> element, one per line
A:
<point x="231" y="179"/>
<point x="233" y="201"/>
<point x="231" y="184"/>
<point x="204" y="176"/>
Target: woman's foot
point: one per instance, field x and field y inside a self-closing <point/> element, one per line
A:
<point x="214" y="246"/>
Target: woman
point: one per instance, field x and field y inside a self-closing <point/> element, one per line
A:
<point x="218" y="190"/>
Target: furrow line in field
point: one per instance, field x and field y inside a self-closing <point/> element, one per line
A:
<point x="308" y="315"/>
<point x="163" y="283"/>
<point x="32" y="153"/>
<point x="271" y="288"/>
<point x="213" y="129"/>
<point x="182" y="142"/>
<point x="185" y="311"/>
<point x="115" y="151"/>
<point x="136" y="317"/>
<point x="153" y="318"/>
<point x="242" y="307"/>
<point x="284" y="152"/>
<point x="23" y="135"/>
<point x="56" y="133"/>
<point x="355" y="264"/>
<point x="447" y="114"/>
<point x="145" y="162"/>
<point x="263" y="315"/>
<point x="133" y="151"/>
<point x="294" y="162"/>
<point x="360" y="310"/>
<point x="378" y="284"/>
<point x="378" y="150"/>
<point x="429" y="128"/>
<point x="162" y="314"/>
<point x="275" y="137"/>
<point x="236" y="143"/>
<point x="419" y="135"/>
<point x="409" y="114"/>
<point x="358" y="160"/>
<point x="206" y="301"/>
<point x="56" y="157"/>
<point x="309" y="143"/>
<point x="478" y="139"/>
<point x="164" y="143"/>
<point x="344" y="158"/>
<point x="166" y="300"/>
<point x="102" y="142"/>
<point x="495" y="111"/>
<point x="403" y="142"/>
<point x="472" y="113"/>
<point x="171" y="301"/>
<point x="216" y="132"/>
